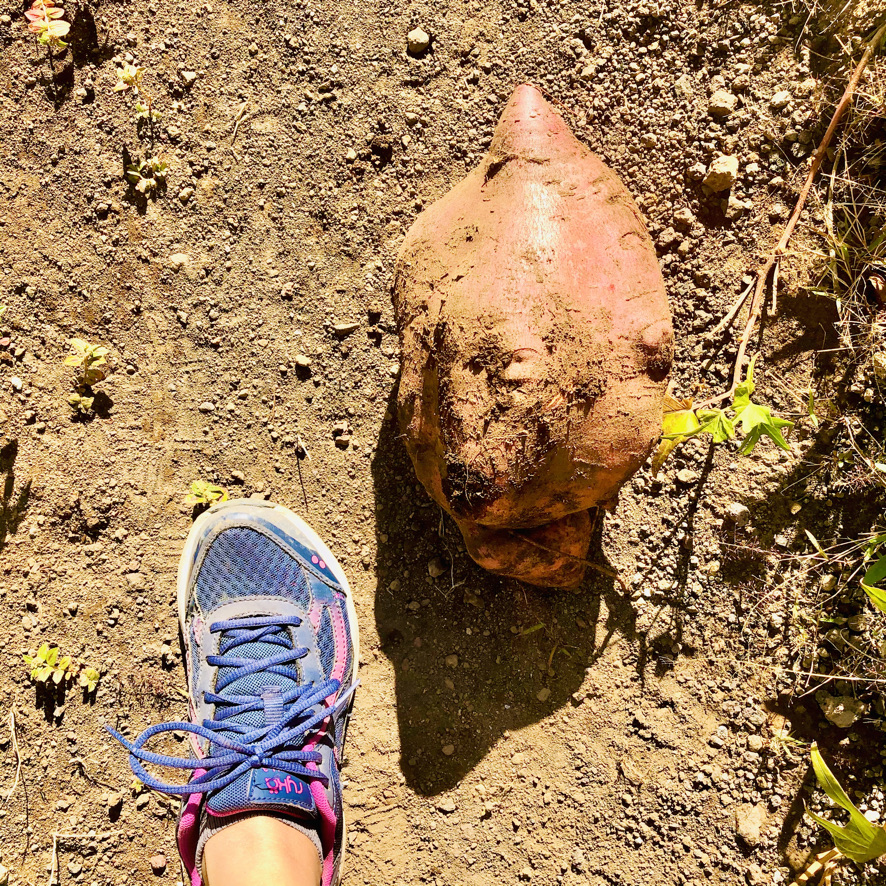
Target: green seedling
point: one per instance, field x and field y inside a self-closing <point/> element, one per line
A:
<point x="47" y="664"/>
<point x="80" y="403"/>
<point x="45" y="20"/>
<point x="89" y="359"/>
<point x="681" y="421"/>
<point x="130" y="77"/>
<point x="875" y="573"/>
<point x="148" y="175"/>
<point x="859" y="840"/>
<point x="89" y="678"/>
<point x="204" y="493"/>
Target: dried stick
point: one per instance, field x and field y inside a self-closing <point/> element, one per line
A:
<point x="772" y="261"/>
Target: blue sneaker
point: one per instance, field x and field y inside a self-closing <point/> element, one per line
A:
<point x="271" y="638"/>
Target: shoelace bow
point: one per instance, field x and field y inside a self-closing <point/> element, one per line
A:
<point x="275" y="744"/>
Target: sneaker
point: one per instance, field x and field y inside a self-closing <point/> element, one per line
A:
<point x="270" y="635"/>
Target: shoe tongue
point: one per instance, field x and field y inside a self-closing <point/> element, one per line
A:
<point x="266" y="786"/>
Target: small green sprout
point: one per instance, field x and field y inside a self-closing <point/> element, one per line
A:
<point x="80" y="403"/>
<point x="681" y="421"/>
<point x="89" y="358"/>
<point x="146" y="114"/>
<point x="859" y="840"/>
<point x="47" y="664"/>
<point x="89" y="678"/>
<point x="204" y="493"/>
<point x="148" y="175"/>
<point x="128" y="77"/>
<point x="45" y="20"/>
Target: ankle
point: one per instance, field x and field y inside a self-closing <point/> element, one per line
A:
<point x="259" y="849"/>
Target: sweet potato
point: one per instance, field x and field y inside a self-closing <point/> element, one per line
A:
<point x="536" y="340"/>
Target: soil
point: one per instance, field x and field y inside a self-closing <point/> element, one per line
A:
<point x="502" y="733"/>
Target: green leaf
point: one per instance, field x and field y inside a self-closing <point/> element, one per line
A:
<point x="679" y="422"/>
<point x="757" y="421"/>
<point x="43" y="652"/>
<point x="52" y="656"/>
<point x="875" y="574"/>
<point x="44" y="673"/>
<point x="716" y="423"/>
<point x="860" y="840"/>
<point x="58" y="676"/>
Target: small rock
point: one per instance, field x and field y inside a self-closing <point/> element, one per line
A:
<point x="207" y="406"/>
<point x="178" y="260"/>
<point x="189" y="78"/>
<point x="722" y="173"/>
<point x="302" y="361"/>
<point x="543" y="694"/>
<point x="446" y="805"/>
<point x="417" y="41"/>
<point x="448" y="750"/>
<point x="436" y="567"/>
<point x="880" y="366"/>
<point x="185" y="194"/>
<point x="684" y="217"/>
<point x="734" y="207"/>
<point x="75" y="868"/>
<point x="827" y="582"/>
<point x="578" y="861"/>
<point x="686" y="477"/>
<point x="142" y="801"/>
<point x="780" y="100"/>
<point x="253" y="49"/>
<point x="841" y="710"/>
<point x="755" y="743"/>
<point x="749" y="821"/>
<point x="136" y="579"/>
<point x="115" y="802"/>
<point x="451" y="661"/>
<point x="684" y="86"/>
<point x="16" y="383"/>
<point x="588" y="72"/>
<point x="722" y="103"/>
<point x="158" y="863"/>
<point x="351" y="155"/>
<point x="738" y="513"/>
<point x="344" y="329"/>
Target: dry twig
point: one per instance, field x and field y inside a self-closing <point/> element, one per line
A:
<point x="770" y="266"/>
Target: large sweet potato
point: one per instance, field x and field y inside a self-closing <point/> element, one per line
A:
<point x="536" y="340"/>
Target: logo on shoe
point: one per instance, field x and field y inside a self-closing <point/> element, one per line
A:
<point x="274" y="786"/>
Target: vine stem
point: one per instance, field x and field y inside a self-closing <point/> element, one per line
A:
<point x="770" y="266"/>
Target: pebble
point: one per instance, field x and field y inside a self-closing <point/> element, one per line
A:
<point x="686" y="476"/>
<point x="115" y="802"/>
<point x="436" y="567"/>
<point x="780" y="100"/>
<point x="447" y="805"/>
<point x="738" y="513"/>
<point x="827" y="582"/>
<point x="451" y="661"/>
<point x="207" y="406"/>
<point x="417" y="41"/>
<point x="158" y="863"/>
<point x="345" y="328"/>
<point x="16" y="383"/>
<point x="749" y="821"/>
<point x="178" y="260"/>
<point x="351" y="155"/>
<point x="302" y="361"/>
<point x="189" y="78"/>
<point x="543" y="694"/>
<point x="448" y="750"/>
<point x="722" y="173"/>
<point x="185" y="194"/>
<point x="722" y="103"/>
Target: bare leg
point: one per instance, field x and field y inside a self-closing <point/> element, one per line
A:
<point x="260" y="850"/>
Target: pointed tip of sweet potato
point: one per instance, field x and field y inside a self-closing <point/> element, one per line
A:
<point x="529" y="128"/>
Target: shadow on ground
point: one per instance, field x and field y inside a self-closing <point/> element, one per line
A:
<point x="474" y="655"/>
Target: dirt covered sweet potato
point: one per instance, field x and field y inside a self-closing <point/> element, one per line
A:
<point x="536" y="340"/>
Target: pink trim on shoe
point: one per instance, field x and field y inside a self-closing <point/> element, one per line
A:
<point x="189" y="834"/>
<point x="328" y="824"/>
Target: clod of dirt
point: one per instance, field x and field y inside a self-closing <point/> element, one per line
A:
<point x="841" y="710"/>
<point x="749" y="821"/>
<point x="722" y="173"/>
<point x="536" y="341"/>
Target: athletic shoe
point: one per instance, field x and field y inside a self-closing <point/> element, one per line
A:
<point x="270" y="634"/>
